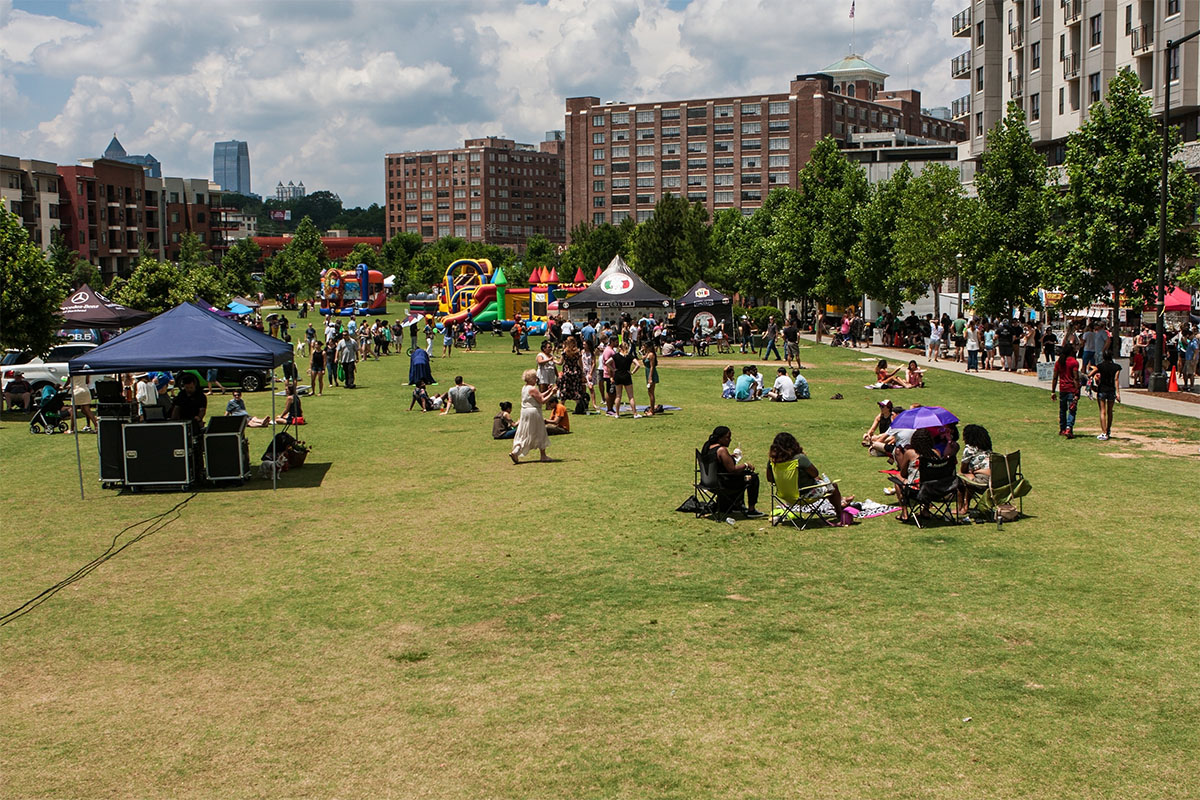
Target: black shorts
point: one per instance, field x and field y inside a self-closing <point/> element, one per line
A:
<point x="960" y="341"/>
<point x="1006" y="350"/>
<point x="609" y="388"/>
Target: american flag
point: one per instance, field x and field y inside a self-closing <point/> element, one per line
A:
<point x="852" y="2"/>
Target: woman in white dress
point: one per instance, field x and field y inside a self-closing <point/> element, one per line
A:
<point x="531" y="428"/>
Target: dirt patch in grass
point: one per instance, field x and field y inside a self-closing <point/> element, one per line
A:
<point x="1170" y="447"/>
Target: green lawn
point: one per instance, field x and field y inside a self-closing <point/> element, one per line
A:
<point x="411" y="615"/>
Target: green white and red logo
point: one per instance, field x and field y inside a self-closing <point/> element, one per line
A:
<point x="616" y="284"/>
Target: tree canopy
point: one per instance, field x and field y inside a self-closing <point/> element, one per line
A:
<point x="31" y="292"/>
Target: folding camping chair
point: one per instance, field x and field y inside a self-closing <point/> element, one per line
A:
<point x="795" y="505"/>
<point x="1006" y="485"/>
<point x="706" y="488"/>
<point x="937" y="489"/>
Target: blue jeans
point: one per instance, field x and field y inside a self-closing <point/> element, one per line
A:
<point x="972" y="359"/>
<point x="1067" y="403"/>
<point x="767" y="352"/>
<point x="1089" y="358"/>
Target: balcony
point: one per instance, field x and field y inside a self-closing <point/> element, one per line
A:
<point x="1016" y="36"/>
<point x="960" y="65"/>
<point x="1072" y="11"/>
<point x="1070" y="66"/>
<point x="1016" y="86"/>
<point x="961" y="107"/>
<point x="961" y="24"/>
<point x="1141" y="39"/>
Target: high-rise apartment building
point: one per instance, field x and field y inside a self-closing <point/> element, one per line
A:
<point x="231" y="166"/>
<point x="728" y="152"/>
<point x="29" y="189"/>
<point x="1056" y="57"/>
<point x="289" y="192"/>
<point x="489" y="190"/>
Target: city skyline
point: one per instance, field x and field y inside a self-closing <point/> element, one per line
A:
<point x="361" y="79"/>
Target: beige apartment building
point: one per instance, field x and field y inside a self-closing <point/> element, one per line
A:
<point x="29" y="189"/>
<point x="1056" y="57"/>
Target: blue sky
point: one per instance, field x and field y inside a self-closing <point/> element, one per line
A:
<point x="322" y="90"/>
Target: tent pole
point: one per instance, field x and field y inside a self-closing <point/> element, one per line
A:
<point x="274" y="441"/>
<point x="78" y="457"/>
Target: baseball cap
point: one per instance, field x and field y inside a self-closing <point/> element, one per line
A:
<point x="885" y="402"/>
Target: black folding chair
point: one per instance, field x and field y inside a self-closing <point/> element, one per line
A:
<point x="706" y="487"/>
<point x="936" y="491"/>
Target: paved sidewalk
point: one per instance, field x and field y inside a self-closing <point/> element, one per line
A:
<point x="1128" y="398"/>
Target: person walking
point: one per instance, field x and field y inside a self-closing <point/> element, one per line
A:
<point x="531" y="426"/>
<point x="769" y="338"/>
<point x="316" y="368"/>
<point x="331" y="365"/>
<point x="744" y="332"/>
<point x="347" y="357"/>
<point x="1065" y="388"/>
<point x="1108" y="390"/>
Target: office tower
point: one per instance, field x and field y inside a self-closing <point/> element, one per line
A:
<point x="231" y="166"/>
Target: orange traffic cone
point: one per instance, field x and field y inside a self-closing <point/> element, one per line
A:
<point x="1173" y="385"/>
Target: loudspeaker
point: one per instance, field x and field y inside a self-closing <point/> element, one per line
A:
<point x="110" y="443"/>
<point x="158" y="455"/>
<point x="226" y="457"/>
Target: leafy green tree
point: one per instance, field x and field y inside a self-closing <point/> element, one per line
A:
<point x="595" y="246"/>
<point x="208" y="282"/>
<point x="74" y="269"/>
<point x="31" y="292"/>
<point x="927" y="237"/>
<point x="154" y="286"/>
<point x="672" y="250"/>
<point x="240" y="261"/>
<point x="307" y="257"/>
<point x="192" y="253"/>
<point x="280" y="277"/>
<point x="1004" y="241"/>
<point x="398" y="251"/>
<point x="369" y="221"/>
<point x="540" y="253"/>
<point x="362" y="253"/>
<point x="873" y="258"/>
<point x="831" y="188"/>
<point x="1110" y="209"/>
<point x="733" y="266"/>
<point x="321" y="207"/>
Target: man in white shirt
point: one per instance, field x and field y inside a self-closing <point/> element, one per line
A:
<point x="146" y="393"/>
<point x="784" y="390"/>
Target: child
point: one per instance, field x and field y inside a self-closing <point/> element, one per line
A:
<point x="914" y="377"/>
<point x="1137" y="365"/>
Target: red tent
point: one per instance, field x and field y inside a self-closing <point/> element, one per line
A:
<point x="1178" y="300"/>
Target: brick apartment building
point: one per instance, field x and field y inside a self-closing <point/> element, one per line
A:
<point x="490" y="190"/>
<point x="727" y="152"/>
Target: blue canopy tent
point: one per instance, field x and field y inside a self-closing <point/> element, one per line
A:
<point x="188" y="336"/>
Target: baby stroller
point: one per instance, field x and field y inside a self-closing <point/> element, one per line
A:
<point x="48" y="416"/>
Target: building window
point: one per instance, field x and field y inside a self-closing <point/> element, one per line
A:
<point x="670" y="133"/>
<point x="645" y="149"/>
<point x="697" y="130"/>
<point x="646" y="183"/>
<point x="777" y="108"/>
<point x="642" y="216"/>
<point x="751" y="194"/>
<point x="697" y="180"/>
<point x="722" y="147"/>
<point x="597" y="169"/>
<point x="778" y="178"/>
<point x="722" y="197"/>
<point x="645" y="116"/>
<point x="620" y="152"/>
<point x="1036" y="10"/>
<point x="1094" y="86"/>
<point x="622" y="167"/>
<point x="780" y="125"/>
<point x="671" y="181"/>
<point x="672" y="164"/>
<point x="671" y="148"/>
<point x="1173" y="66"/>
<point x="597" y="186"/>
<point x="1035" y="56"/>
<point x="723" y="163"/>
<point x="1062" y="100"/>
<point x="751" y="128"/>
<point x="697" y="146"/>
<point x="1094" y="30"/>
<point x="722" y="111"/>
<point x="621" y="136"/>
<point x="725" y="129"/>
<point x="979" y="79"/>
<point x="1035" y="107"/>
<point x="751" y="144"/>
<point x="645" y="166"/>
<point x="670" y="113"/>
<point x="645" y="133"/>
<point x="620" y="183"/>
<point x="598" y="218"/>
<point x="979" y="34"/>
<point x="979" y="124"/>
<point x="598" y="138"/>
<point x="598" y="202"/>
<point x="751" y="109"/>
<point x="1172" y="9"/>
<point x="778" y="144"/>
<point x="697" y="112"/>
<point x="618" y="199"/>
<point x="597" y="122"/>
<point x="778" y="161"/>
<point x="697" y="163"/>
<point x="620" y="118"/>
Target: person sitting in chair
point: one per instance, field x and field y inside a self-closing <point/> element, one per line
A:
<point x="797" y="479"/>
<point x="18" y="392"/>
<point x="292" y="413"/>
<point x="976" y="466"/>
<point x="736" y="479"/>
<point x="923" y="458"/>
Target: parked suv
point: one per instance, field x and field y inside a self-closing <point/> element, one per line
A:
<point x="50" y="369"/>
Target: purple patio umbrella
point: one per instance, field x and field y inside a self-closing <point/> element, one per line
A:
<point x="923" y="417"/>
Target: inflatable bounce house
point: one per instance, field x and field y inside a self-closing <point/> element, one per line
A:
<point x="342" y="292"/>
<point x="475" y="290"/>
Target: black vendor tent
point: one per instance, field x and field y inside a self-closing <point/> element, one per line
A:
<point x="617" y="287"/>
<point x="706" y="304"/>
<point x="86" y="308"/>
<point x="187" y="336"/>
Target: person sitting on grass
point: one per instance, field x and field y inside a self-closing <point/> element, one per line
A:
<point x="885" y="379"/>
<point x="236" y="407"/>
<point x="877" y="435"/>
<point x="421" y="397"/>
<point x="503" y="426"/>
<point x="559" y="422"/>
<point x="796" y="478"/>
<point x="461" y="398"/>
<point x="728" y="384"/>
<point x="736" y="479"/>
<point x="914" y="377"/>
<point x="783" y="390"/>
<point x="746" y="388"/>
<point x="801" y="384"/>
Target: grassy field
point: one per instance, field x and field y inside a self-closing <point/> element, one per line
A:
<point x="410" y="615"/>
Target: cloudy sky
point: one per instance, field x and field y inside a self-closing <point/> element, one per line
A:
<point x="322" y="89"/>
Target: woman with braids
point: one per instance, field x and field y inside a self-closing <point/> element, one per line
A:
<point x="796" y="478"/>
<point x="735" y="478"/>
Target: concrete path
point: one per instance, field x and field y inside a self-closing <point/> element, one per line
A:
<point x="1134" y="399"/>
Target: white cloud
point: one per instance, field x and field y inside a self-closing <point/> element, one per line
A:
<point x="322" y="91"/>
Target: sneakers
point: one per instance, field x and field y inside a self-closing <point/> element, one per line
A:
<point x="612" y="414"/>
<point x="1103" y="437"/>
<point x="755" y="514"/>
<point x="1070" y="433"/>
<point x="637" y="416"/>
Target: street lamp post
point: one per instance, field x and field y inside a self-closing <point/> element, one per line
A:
<point x="1158" y="381"/>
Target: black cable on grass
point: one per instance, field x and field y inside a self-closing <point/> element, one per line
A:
<point x="153" y="525"/>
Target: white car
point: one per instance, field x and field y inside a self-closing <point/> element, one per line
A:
<point x="50" y="369"/>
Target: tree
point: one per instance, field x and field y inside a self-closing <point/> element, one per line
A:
<point x="154" y="286"/>
<point x="539" y="254"/>
<point x="1108" y="236"/>
<point x="595" y="246"/>
<point x="398" y="252"/>
<point x="280" y="277"/>
<point x="192" y="253"/>
<point x="241" y="260"/>
<point x="733" y="268"/>
<point x="873" y="258"/>
<point x="307" y="257"/>
<point x="370" y="221"/>
<point x="831" y="189"/>
<point x="362" y="253"/>
<point x="672" y="250"/>
<point x="74" y="270"/>
<point x="928" y="233"/>
<point x="31" y="292"/>
<point x="207" y="282"/>
<point x="1004" y="245"/>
